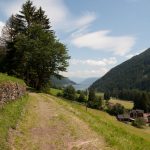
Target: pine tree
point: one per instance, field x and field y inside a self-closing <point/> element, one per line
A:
<point x="33" y="52"/>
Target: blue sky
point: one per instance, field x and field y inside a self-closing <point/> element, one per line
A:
<point x="99" y="34"/>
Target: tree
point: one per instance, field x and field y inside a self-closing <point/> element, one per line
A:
<point x="33" y="52"/>
<point x="116" y="109"/>
<point x="82" y="97"/>
<point x="93" y="100"/>
<point x="69" y="93"/>
<point x="106" y="96"/>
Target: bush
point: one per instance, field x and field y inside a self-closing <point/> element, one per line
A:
<point x="139" y="122"/>
<point x="59" y="94"/>
<point x="94" y="101"/>
<point x="106" y="96"/>
<point x="69" y="93"/>
<point x="82" y="97"/>
<point x="115" y="109"/>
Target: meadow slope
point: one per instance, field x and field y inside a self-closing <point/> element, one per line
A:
<point x="53" y="123"/>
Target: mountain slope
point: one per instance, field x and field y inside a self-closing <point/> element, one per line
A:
<point x="132" y="74"/>
<point x="64" y="81"/>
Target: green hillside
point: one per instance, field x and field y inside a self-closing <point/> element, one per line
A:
<point x="6" y="78"/>
<point x="61" y="124"/>
<point x="132" y="74"/>
<point x="64" y="81"/>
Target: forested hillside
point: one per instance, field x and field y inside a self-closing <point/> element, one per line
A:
<point x="132" y="74"/>
<point x="64" y="81"/>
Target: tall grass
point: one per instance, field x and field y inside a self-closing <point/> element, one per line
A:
<point x="54" y="92"/>
<point x="118" y="135"/>
<point x="6" y="78"/>
<point x="9" y="116"/>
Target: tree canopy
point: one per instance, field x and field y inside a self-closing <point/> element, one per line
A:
<point x="33" y="52"/>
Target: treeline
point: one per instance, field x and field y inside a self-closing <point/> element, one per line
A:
<point x="29" y="48"/>
<point x="131" y="74"/>
<point x="92" y="100"/>
<point x="141" y="99"/>
<point x="86" y="97"/>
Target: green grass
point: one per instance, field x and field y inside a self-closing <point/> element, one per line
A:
<point x="9" y="116"/>
<point x="117" y="134"/>
<point x="126" y="104"/>
<point x="54" y="92"/>
<point x="5" y="78"/>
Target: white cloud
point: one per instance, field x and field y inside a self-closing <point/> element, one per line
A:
<point x="55" y="9"/>
<point x="1" y="27"/>
<point x="101" y="40"/>
<point x="93" y="62"/>
<point x="130" y="55"/>
<point x="60" y="16"/>
<point x="86" y="19"/>
<point x="86" y="73"/>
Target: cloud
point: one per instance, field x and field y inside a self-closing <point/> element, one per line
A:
<point x="86" y="73"/>
<point x="86" y="19"/>
<point x="60" y="16"/>
<point x="1" y="27"/>
<point x="93" y="62"/>
<point x="55" y="9"/>
<point x="130" y="55"/>
<point x="101" y="40"/>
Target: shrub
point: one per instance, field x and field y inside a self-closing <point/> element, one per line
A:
<point x="139" y="122"/>
<point x="115" y="109"/>
<point x="106" y="96"/>
<point x="69" y="93"/>
<point x="82" y="97"/>
<point x="94" y="101"/>
<point x="59" y="94"/>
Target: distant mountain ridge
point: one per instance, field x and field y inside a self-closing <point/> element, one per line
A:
<point x="64" y="81"/>
<point x="85" y="84"/>
<point x="131" y="74"/>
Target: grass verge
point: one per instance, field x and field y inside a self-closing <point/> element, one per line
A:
<point x="9" y="116"/>
<point x="118" y="135"/>
<point x="5" y="78"/>
<point x="54" y="92"/>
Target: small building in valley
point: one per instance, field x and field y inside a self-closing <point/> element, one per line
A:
<point x="133" y="114"/>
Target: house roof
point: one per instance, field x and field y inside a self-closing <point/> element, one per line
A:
<point x="137" y="111"/>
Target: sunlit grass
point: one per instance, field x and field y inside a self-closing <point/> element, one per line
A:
<point x="6" y="78"/>
<point x="117" y="134"/>
<point x="9" y="116"/>
<point x="126" y="104"/>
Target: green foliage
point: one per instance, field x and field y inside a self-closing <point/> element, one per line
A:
<point x="82" y="97"/>
<point x="138" y="122"/>
<point x="69" y="93"/>
<point x="115" y="109"/>
<point x="141" y="99"/>
<point x="9" y="116"/>
<point x="55" y="92"/>
<point x="33" y="53"/>
<point x="106" y="96"/>
<point x="94" y="101"/>
<point x="132" y="74"/>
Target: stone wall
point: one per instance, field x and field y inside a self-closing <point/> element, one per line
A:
<point x="11" y="91"/>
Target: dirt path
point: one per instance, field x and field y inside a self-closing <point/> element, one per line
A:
<point x="47" y="125"/>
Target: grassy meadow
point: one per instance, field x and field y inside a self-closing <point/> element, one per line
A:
<point x="5" y="78"/>
<point x="9" y="116"/>
<point x="126" y="104"/>
<point x="117" y="134"/>
<point x="54" y="92"/>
